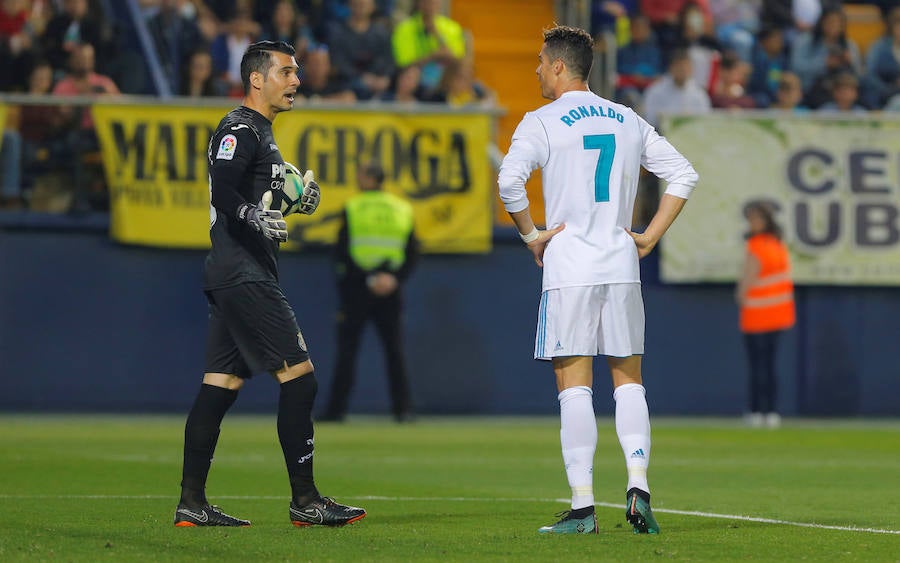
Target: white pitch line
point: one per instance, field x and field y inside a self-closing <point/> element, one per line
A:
<point x="696" y="513"/>
<point x="757" y="519"/>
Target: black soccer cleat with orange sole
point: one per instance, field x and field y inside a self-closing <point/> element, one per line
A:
<point x="325" y="511"/>
<point x="206" y="515"/>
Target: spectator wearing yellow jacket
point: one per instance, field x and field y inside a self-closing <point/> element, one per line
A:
<point x="429" y="40"/>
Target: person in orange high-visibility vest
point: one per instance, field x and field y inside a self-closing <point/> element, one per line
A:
<point x="765" y="294"/>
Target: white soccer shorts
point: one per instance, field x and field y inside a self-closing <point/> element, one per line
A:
<point x="605" y="320"/>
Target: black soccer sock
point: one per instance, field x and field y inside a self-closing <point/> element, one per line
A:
<point x="644" y="495"/>
<point x="295" y="432"/>
<point x="201" y="432"/>
<point x="580" y="513"/>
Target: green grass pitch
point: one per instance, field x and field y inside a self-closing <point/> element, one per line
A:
<point x="87" y="488"/>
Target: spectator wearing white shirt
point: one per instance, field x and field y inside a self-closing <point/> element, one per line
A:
<point x="675" y="92"/>
<point x="844" y="95"/>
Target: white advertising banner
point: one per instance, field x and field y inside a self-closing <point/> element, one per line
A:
<point x="835" y="182"/>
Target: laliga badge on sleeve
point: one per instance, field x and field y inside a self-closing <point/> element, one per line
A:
<point x="227" y="147"/>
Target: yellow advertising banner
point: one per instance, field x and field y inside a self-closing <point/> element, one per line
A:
<point x="156" y="169"/>
<point x="2" y="121"/>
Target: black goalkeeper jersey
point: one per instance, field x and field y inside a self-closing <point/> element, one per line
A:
<point x="244" y="162"/>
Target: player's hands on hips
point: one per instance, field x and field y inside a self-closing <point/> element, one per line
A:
<point x="644" y="242"/>
<point x="309" y="199"/>
<point x="538" y="245"/>
<point x="264" y="220"/>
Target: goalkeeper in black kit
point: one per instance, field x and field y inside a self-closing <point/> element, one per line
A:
<point x="252" y="328"/>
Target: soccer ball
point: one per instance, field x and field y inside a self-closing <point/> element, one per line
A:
<point x="288" y="200"/>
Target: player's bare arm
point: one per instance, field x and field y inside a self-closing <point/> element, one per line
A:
<point x="669" y="208"/>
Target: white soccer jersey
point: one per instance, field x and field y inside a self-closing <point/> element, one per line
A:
<point x="590" y="151"/>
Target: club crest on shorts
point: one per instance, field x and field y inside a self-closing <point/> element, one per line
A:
<point x="301" y="342"/>
<point x="227" y="147"/>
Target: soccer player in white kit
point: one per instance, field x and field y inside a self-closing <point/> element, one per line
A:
<point x="590" y="151"/>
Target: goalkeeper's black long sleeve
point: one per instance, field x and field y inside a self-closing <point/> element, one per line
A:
<point x="229" y="175"/>
<point x="225" y="196"/>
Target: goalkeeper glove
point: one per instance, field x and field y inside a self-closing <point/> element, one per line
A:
<point x="263" y="220"/>
<point x="309" y="199"/>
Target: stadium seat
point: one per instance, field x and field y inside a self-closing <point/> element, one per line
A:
<point x="507" y="38"/>
<point x="864" y="24"/>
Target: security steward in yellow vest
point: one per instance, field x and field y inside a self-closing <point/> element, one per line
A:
<point x="375" y="253"/>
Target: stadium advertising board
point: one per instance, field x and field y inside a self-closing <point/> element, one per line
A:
<point x="835" y="182"/>
<point x="155" y="164"/>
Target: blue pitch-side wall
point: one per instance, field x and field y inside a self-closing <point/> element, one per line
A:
<point x="86" y="325"/>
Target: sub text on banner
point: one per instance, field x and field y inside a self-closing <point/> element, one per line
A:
<point x="834" y="181"/>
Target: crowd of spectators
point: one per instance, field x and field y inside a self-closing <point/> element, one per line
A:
<point x="693" y="55"/>
<point x="349" y="50"/>
<point x="355" y="49"/>
<point x="61" y="48"/>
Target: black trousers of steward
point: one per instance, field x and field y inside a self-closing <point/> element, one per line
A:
<point x="358" y="306"/>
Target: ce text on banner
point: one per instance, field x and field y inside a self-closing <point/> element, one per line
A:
<point x="834" y="182"/>
<point x="155" y="164"/>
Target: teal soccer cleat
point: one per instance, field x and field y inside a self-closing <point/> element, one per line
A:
<point x="638" y="512"/>
<point x="569" y="525"/>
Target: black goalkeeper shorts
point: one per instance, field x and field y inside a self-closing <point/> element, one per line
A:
<point x="252" y="329"/>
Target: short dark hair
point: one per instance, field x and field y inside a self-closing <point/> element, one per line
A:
<point x="729" y="60"/>
<point x="766" y="209"/>
<point x="573" y="46"/>
<point x="845" y="79"/>
<point x="767" y="30"/>
<point x="257" y="58"/>
<point x="679" y="54"/>
<point x="375" y="171"/>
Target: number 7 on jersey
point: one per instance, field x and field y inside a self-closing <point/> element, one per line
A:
<point x="607" y="146"/>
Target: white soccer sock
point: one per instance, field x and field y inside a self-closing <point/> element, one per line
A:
<point x="578" y="437"/>
<point x="633" y="429"/>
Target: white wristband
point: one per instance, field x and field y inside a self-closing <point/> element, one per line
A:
<point x="530" y="237"/>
